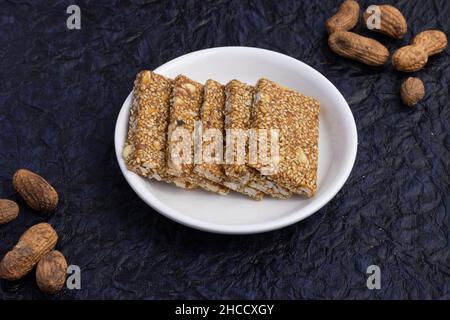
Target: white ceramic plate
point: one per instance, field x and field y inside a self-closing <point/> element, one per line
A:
<point x="236" y="214"/>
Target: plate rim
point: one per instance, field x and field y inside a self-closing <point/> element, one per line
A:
<point x="259" y="227"/>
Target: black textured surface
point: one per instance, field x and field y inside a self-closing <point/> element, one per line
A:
<point x="61" y="91"/>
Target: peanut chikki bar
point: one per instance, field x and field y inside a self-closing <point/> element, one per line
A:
<point x="144" y="149"/>
<point x="212" y="118"/>
<point x="186" y="100"/>
<point x="296" y="116"/>
<point x="238" y="110"/>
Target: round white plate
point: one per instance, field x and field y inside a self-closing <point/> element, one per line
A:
<point x="236" y="214"/>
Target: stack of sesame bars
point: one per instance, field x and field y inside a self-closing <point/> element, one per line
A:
<point x="163" y="108"/>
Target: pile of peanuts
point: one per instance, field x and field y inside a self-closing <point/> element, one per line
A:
<point x="390" y="21"/>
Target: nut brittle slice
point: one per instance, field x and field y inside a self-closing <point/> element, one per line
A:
<point x="296" y="117"/>
<point x="212" y="118"/>
<point x="186" y="101"/>
<point x="238" y="112"/>
<point x="144" y="151"/>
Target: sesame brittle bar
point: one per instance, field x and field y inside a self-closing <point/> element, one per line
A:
<point x="212" y="118"/>
<point x="238" y="111"/>
<point x="144" y="151"/>
<point x="186" y="101"/>
<point x="296" y="116"/>
<point x="238" y="103"/>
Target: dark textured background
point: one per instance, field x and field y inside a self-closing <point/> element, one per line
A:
<point x="60" y="94"/>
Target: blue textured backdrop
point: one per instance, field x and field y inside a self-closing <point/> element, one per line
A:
<point x="61" y="91"/>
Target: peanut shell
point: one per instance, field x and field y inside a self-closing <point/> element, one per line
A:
<point x="433" y="41"/>
<point x="412" y="91"/>
<point x="35" y="190"/>
<point x="415" y="56"/>
<point x="392" y="22"/>
<point x="51" y="272"/>
<point x="9" y="210"/>
<point x="409" y="58"/>
<point x="31" y="247"/>
<point x="353" y="46"/>
<point x="345" y="19"/>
